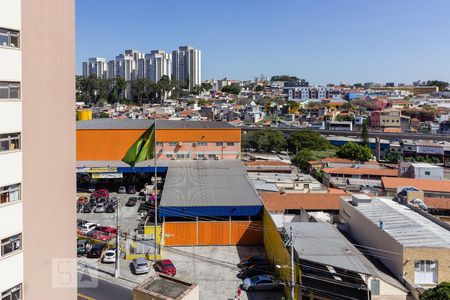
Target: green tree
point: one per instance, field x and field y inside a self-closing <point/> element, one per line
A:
<point x="117" y="88"/>
<point x="345" y="117"/>
<point x="267" y="140"/>
<point x="140" y="90"/>
<point x="293" y="107"/>
<point x="307" y="140"/>
<point x="304" y="156"/>
<point x="284" y="78"/>
<point x="259" y="88"/>
<point x="354" y="151"/>
<point x="392" y="157"/>
<point x="365" y="134"/>
<point x="163" y="86"/>
<point x="358" y="85"/>
<point x="103" y="115"/>
<point x="439" y="292"/>
<point x="206" y="86"/>
<point x="442" y="85"/>
<point x="231" y="89"/>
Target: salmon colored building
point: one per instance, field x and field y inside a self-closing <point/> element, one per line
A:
<point x="109" y="139"/>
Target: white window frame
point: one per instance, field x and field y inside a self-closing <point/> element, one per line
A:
<point x="9" y="33"/>
<point x="9" y="85"/>
<point x="8" y="293"/>
<point x="425" y="267"/>
<point x="10" y="190"/>
<point x="13" y="241"/>
<point x="8" y="137"/>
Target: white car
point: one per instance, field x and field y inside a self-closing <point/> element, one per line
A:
<point x="100" y="208"/>
<point x="109" y="256"/>
<point x="86" y="227"/>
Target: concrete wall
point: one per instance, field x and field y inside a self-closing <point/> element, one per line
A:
<point x="48" y="93"/>
<point x="366" y="233"/>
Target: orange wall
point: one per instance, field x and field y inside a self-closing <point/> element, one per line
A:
<point x="213" y="233"/>
<point x="112" y="144"/>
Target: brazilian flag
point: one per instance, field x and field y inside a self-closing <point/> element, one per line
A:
<point x="142" y="149"/>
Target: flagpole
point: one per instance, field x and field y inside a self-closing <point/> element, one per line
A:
<point x="156" y="194"/>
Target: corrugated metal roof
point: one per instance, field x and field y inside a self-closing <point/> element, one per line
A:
<point x="323" y="243"/>
<point x="144" y="124"/>
<point x="208" y="183"/>
<point x="406" y="226"/>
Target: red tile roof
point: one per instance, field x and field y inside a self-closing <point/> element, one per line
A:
<point x="440" y="203"/>
<point x="428" y="185"/>
<point x="276" y="202"/>
<point x="361" y="171"/>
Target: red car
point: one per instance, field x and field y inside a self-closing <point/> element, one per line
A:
<point x="100" y="193"/>
<point x="165" y="266"/>
<point x="108" y="229"/>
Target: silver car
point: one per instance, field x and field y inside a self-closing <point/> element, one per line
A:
<point x="261" y="283"/>
<point x="140" y="266"/>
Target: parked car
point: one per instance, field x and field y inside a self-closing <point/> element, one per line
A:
<point x="262" y="283"/>
<point x="100" y="193"/>
<point x="114" y="201"/>
<point x="85" y="228"/>
<point x="252" y="259"/>
<point x="81" y="246"/>
<point x="109" y="256"/>
<point x="95" y="251"/>
<point x="122" y="190"/>
<point x="108" y="229"/>
<point x="91" y="188"/>
<point x="254" y="270"/>
<point x="131" y="202"/>
<point x="165" y="266"/>
<point x="88" y="207"/>
<point x="131" y="189"/>
<point x="110" y="208"/>
<point x="100" y="235"/>
<point x="103" y="200"/>
<point x="144" y="207"/>
<point x="140" y="266"/>
<point x="100" y="208"/>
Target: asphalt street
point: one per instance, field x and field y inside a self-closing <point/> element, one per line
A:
<point x="104" y="290"/>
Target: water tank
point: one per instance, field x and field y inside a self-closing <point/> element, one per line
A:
<point x="84" y="114"/>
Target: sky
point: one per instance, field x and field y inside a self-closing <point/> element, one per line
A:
<point x="322" y="41"/>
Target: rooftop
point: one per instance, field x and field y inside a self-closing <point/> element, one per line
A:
<point x="323" y="243"/>
<point x="362" y="171"/>
<point x="146" y="123"/>
<point x="427" y="185"/>
<point x="406" y="226"/>
<point x="208" y="183"/>
<point x="276" y="202"/>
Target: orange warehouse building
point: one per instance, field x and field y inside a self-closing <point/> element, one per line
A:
<point x="109" y="139"/>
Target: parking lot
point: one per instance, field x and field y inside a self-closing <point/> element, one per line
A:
<point x="213" y="268"/>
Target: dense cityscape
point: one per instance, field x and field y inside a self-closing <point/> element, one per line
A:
<point x="184" y="187"/>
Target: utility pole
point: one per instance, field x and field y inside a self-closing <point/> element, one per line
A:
<point x="117" y="267"/>
<point x="292" y="265"/>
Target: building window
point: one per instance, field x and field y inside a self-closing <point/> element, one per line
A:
<point x="169" y="155"/>
<point x="160" y="144"/>
<point x="202" y="144"/>
<point x="9" y="90"/>
<point x="200" y="156"/>
<point x="425" y="272"/>
<point x="9" y="38"/>
<point x="211" y="156"/>
<point x="9" y="193"/>
<point x="9" y="142"/>
<point x="182" y="156"/>
<point x="173" y="144"/>
<point x="219" y="144"/>
<point x="12" y="244"/>
<point x="14" y="293"/>
<point x="230" y="144"/>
